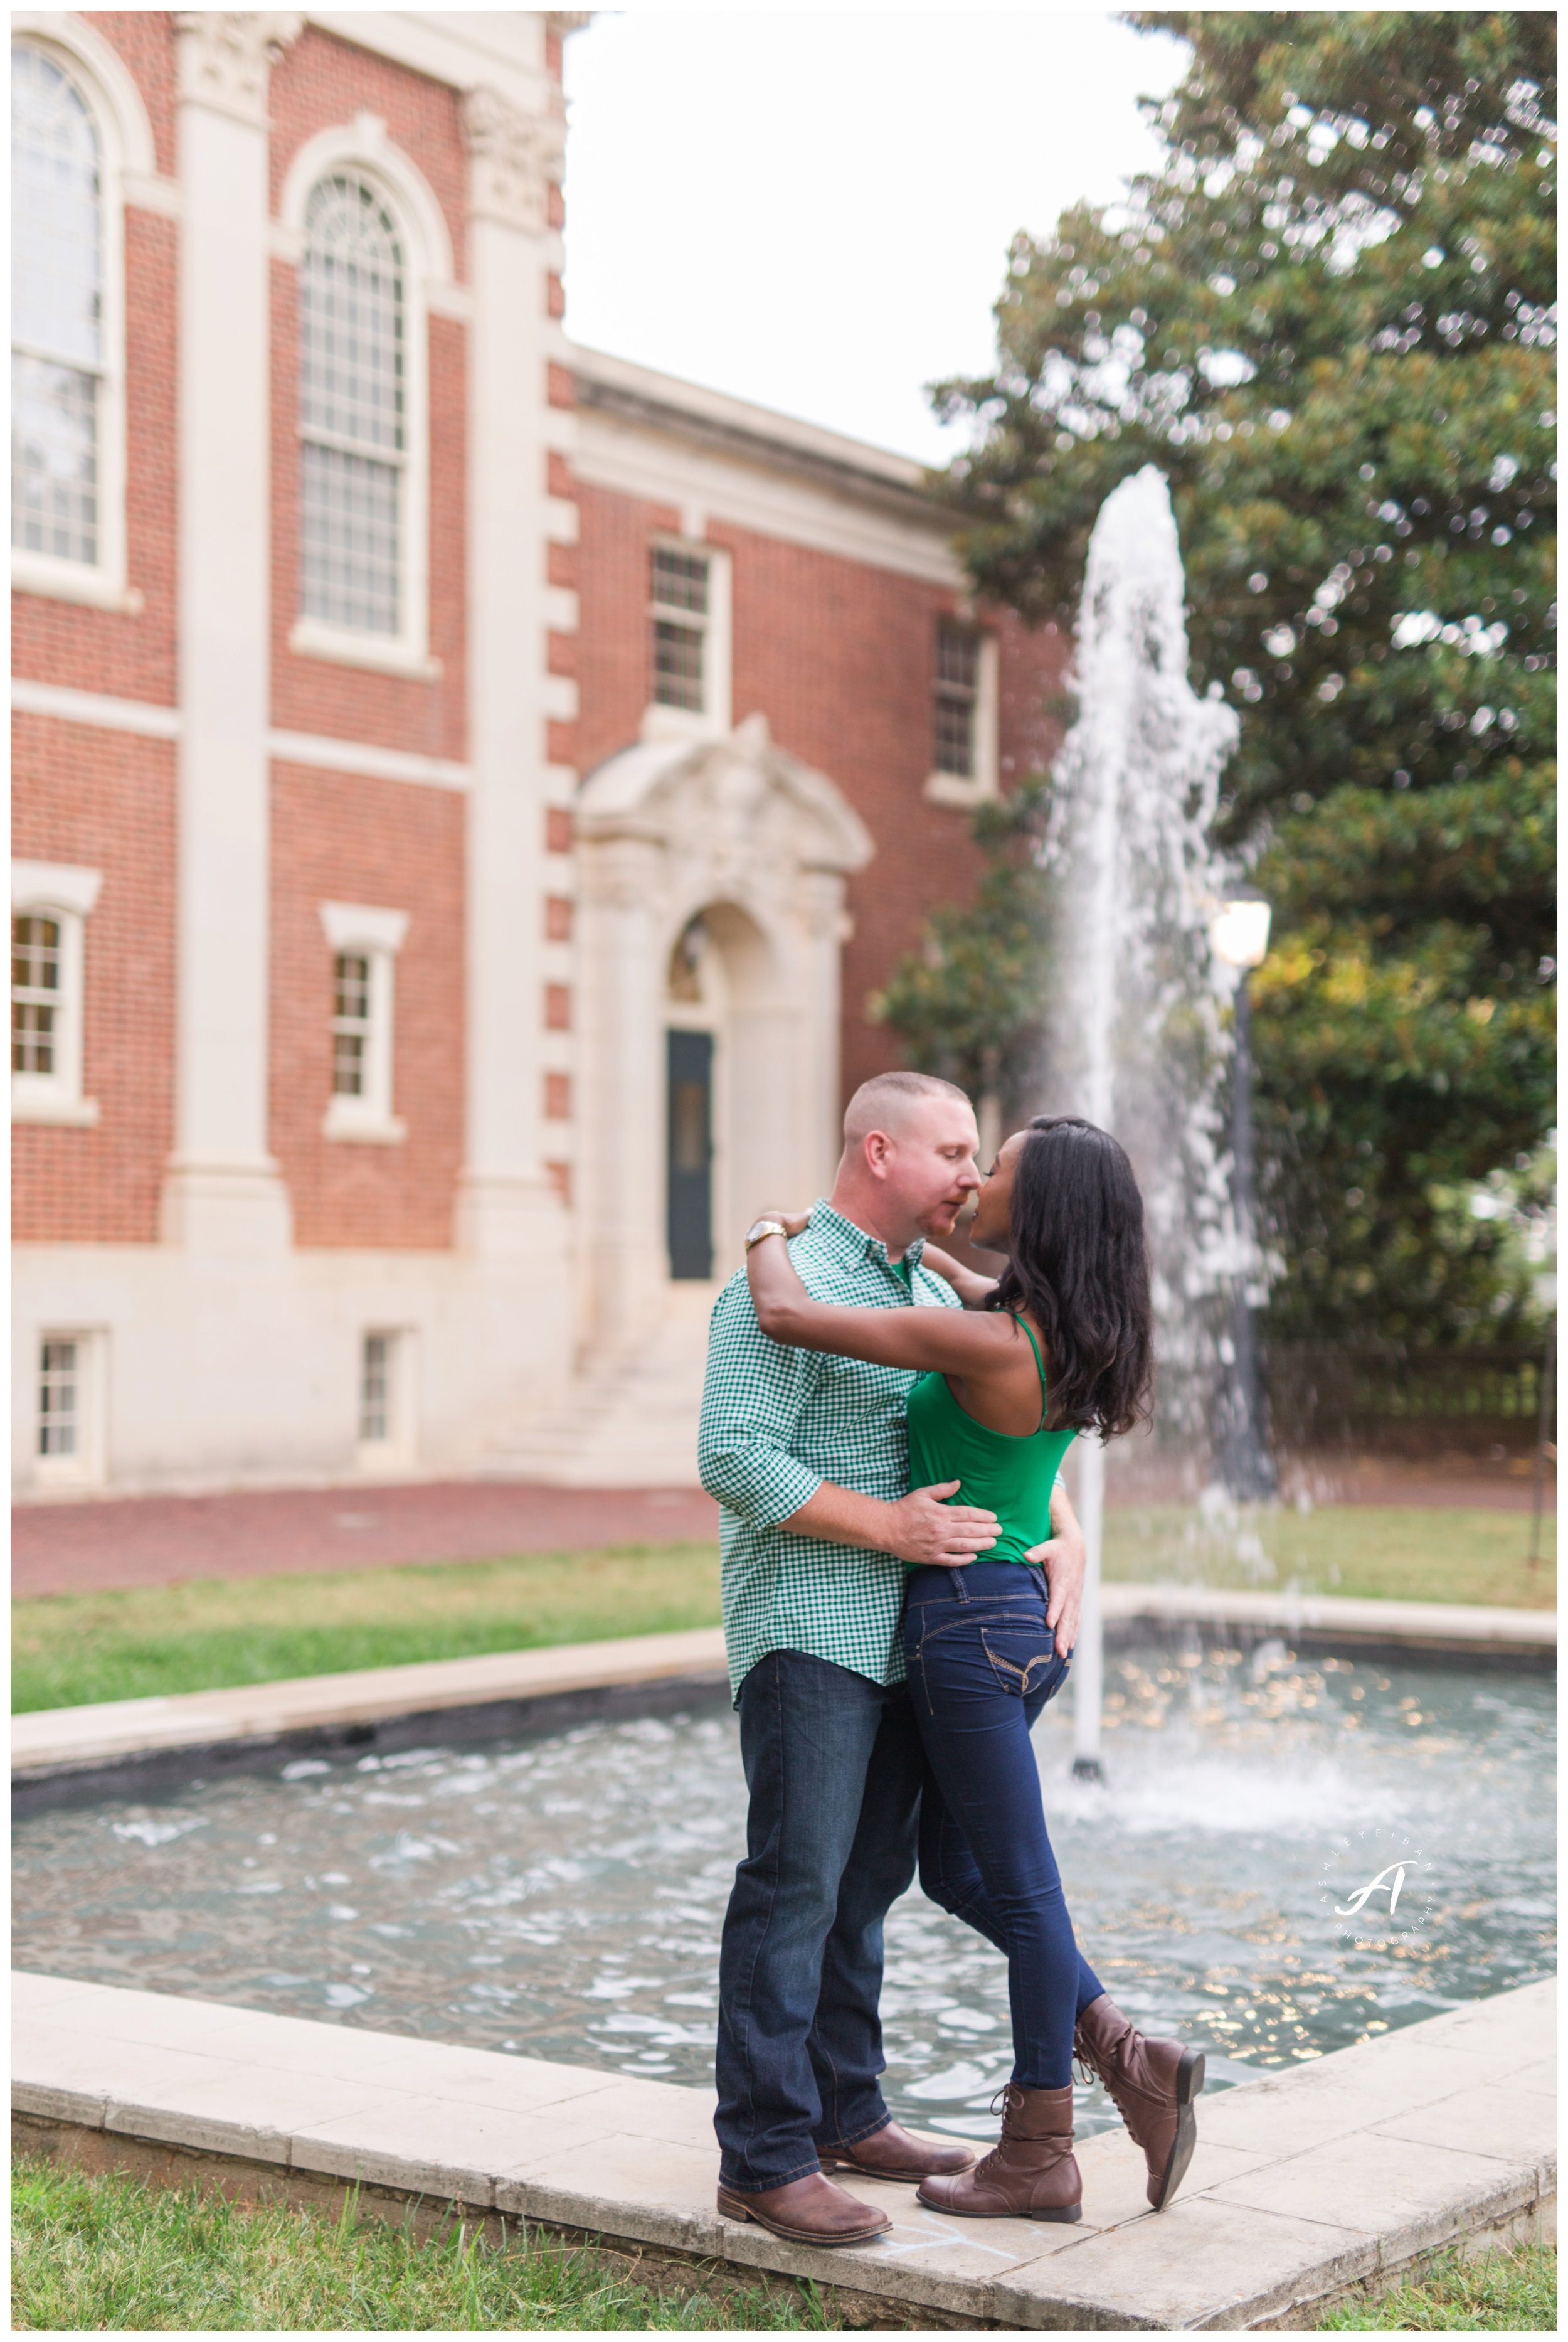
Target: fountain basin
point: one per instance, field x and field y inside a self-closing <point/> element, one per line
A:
<point x="560" y="1894"/>
<point x="1308" y="2187"/>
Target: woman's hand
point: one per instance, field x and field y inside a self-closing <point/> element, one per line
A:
<point x="793" y="1224"/>
<point x="973" y="1289"/>
<point x="1064" y="1559"/>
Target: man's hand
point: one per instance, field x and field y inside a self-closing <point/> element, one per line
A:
<point x="940" y="1535"/>
<point x="1064" y="1557"/>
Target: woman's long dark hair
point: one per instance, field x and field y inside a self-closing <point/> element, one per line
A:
<point x="1080" y="1266"/>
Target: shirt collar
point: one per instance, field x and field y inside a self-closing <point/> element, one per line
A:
<point x="848" y="1243"/>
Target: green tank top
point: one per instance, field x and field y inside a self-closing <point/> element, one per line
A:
<point x="1011" y="1476"/>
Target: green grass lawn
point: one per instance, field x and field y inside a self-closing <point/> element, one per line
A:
<point x="1389" y="1553"/>
<point x="1511" y="2290"/>
<point x="66" y="1650"/>
<point x="111" y="2253"/>
<point x="70" y="1650"/>
<point x="96" y="2253"/>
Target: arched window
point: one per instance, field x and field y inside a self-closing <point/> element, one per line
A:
<point x="58" y="324"/>
<point x="353" y="411"/>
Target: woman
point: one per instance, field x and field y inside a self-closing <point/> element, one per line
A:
<point x="1059" y="1345"/>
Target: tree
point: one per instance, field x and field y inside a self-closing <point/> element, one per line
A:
<point x="1328" y="317"/>
<point x="967" y="1003"/>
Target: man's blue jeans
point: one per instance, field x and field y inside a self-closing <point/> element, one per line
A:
<point x="983" y="1663"/>
<point x="833" y="1763"/>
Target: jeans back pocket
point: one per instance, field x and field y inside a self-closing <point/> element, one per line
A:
<point x="1021" y="1657"/>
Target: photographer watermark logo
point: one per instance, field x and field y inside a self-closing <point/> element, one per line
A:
<point x="1374" y="1885"/>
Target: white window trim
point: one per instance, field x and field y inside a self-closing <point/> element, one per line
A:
<point x="85" y="1468"/>
<point x="378" y="934"/>
<point x="364" y="147"/>
<point x="125" y="146"/>
<point x="713" y="720"/>
<point x="984" y="783"/>
<point x="397" y="1451"/>
<point x="65" y="893"/>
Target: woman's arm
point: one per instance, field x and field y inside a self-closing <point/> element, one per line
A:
<point x="973" y="1289"/>
<point x="931" y="1341"/>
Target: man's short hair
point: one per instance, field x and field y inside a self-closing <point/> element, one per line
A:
<point x="884" y="1102"/>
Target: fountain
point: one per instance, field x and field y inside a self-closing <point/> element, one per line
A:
<point x="1136" y="1038"/>
<point x="561" y="1895"/>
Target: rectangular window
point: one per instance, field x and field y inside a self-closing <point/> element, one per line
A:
<point x="680" y="591"/>
<point x="35" y="993"/>
<point x="384" y="1417"/>
<point x="957" y="692"/>
<point x="50" y="902"/>
<point x="59" y="1418"/>
<point x="68" y="1440"/>
<point x="376" y="1390"/>
<point x="351" y="1024"/>
<point x="365" y="943"/>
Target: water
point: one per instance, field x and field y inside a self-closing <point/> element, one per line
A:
<point x="562" y="1897"/>
<point x="1137" y="1039"/>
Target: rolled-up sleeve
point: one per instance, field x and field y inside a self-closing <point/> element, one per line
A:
<point x="754" y="1394"/>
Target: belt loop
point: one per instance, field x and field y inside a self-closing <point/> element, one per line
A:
<point x="960" y="1591"/>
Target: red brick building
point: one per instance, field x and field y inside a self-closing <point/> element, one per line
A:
<point x="465" y="788"/>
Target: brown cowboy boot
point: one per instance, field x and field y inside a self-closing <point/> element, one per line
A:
<point x="1153" y="2084"/>
<point x="1032" y="2172"/>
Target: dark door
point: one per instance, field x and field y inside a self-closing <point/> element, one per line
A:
<point x="691" y="1153"/>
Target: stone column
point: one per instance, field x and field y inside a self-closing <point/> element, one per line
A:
<point x="506" y="1206"/>
<point x="623" y="919"/>
<point x="223" y="1192"/>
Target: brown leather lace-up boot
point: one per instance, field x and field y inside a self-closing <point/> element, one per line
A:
<point x="1032" y="2172"/>
<point x="1153" y="2084"/>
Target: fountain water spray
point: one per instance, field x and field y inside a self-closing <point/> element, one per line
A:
<point x="1135" y="1033"/>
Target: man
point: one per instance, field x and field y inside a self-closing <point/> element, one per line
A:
<point x="808" y="1457"/>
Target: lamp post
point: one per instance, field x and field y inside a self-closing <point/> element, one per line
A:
<point x="1239" y="933"/>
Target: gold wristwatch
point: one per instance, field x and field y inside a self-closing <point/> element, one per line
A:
<point x="760" y="1228"/>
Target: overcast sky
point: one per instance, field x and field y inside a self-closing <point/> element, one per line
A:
<point x="813" y="209"/>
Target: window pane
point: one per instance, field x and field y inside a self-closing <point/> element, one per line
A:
<point x="349" y="540"/>
<point x="57" y="1413"/>
<point x="956" y="736"/>
<point x="351" y="319"/>
<point x="680" y="580"/>
<point x="53" y="459"/>
<point x="56" y="245"/>
<point x="677" y="666"/>
<point x="353" y="978"/>
<point x="35" y="994"/>
<point x="957" y="657"/>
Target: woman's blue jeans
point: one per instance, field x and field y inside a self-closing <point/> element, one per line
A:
<point x="983" y="1663"/>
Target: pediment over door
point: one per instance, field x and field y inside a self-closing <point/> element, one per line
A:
<point x="739" y="817"/>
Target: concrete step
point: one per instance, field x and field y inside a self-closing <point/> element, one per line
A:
<point x="627" y="1421"/>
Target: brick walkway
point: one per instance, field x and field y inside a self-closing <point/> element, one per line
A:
<point x="158" y="1540"/>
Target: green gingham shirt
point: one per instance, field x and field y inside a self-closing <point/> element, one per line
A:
<point x="777" y="1423"/>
